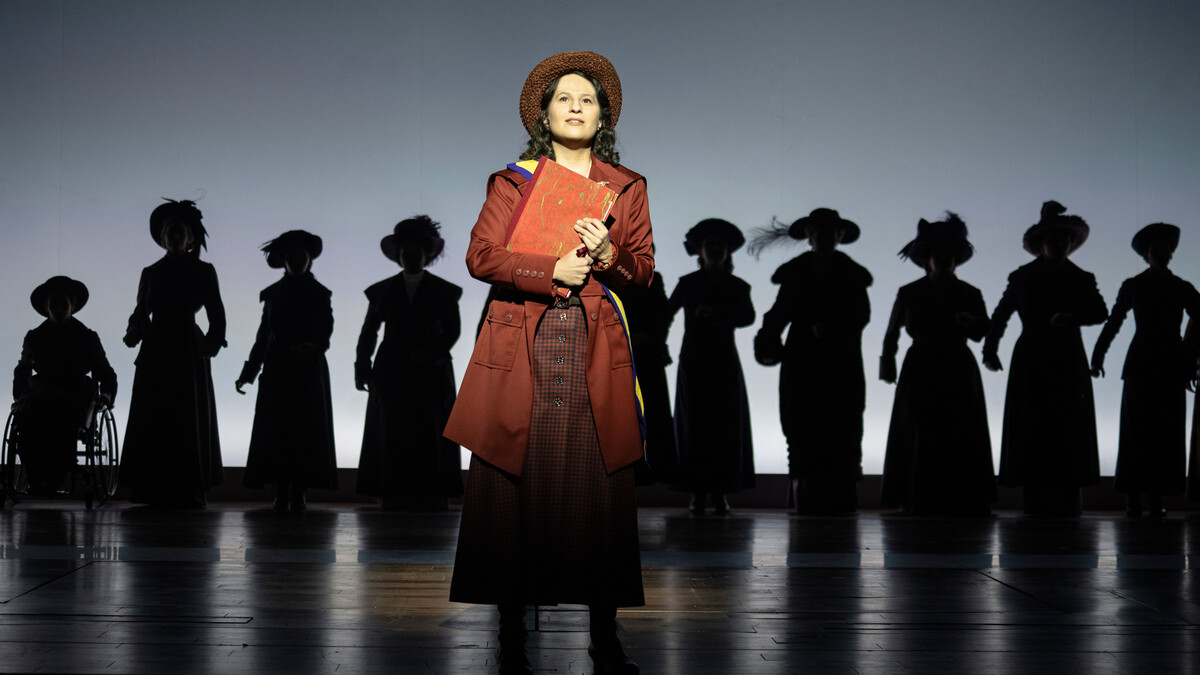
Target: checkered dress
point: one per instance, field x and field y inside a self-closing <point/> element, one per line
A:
<point x="565" y="531"/>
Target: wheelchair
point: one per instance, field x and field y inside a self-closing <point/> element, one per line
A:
<point x="96" y="460"/>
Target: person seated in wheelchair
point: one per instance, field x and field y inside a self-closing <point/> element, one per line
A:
<point x="54" y="399"/>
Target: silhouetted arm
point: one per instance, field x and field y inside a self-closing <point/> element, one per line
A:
<point x="24" y="369"/>
<point x="1112" y="326"/>
<point x="975" y="325"/>
<point x="258" y="353"/>
<point x="742" y="312"/>
<point x="1092" y="309"/>
<point x="214" y="309"/>
<point x="1000" y="317"/>
<point x="140" y="319"/>
<point x="100" y="368"/>
<point x="891" y="340"/>
<point x="450" y="322"/>
<point x="768" y="343"/>
<point x="367" y="339"/>
<point x="323" y="321"/>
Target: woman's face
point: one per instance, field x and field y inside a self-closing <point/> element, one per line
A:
<point x="573" y="113"/>
<point x="824" y="239"/>
<point x="1159" y="254"/>
<point x="176" y="236"/>
<point x="413" y="256"/>
<point x="941" y="261"/>
<point x="296" y="261"/>
<point x="1056" y="244"/>
<point x="59" y="307"/>
<point x="713" y="253"/>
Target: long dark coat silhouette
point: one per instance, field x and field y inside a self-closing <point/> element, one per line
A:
<point x="292" y="440"/>
<point x="57" y="400"/>
<point x="172" y="450"/>
<point x="404" y="455"/>
<point x="712" y="411"/>
<point x="1152" y="452"/>
<point x="822" y="390"/>
<point x="1049" y="411"/>
<point x="939" y="453"/>
<point x="649" y="323"/>
<point x="1192" y="342"/>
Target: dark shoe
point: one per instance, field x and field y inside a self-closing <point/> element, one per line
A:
<point x="1156" y="511"/>
<point x="298" y="498"/>
<point x="1133" y="506"/>
<point x="612" y="661"/>
<point x="720" y="504"/>
<point x="696" y="505"/>
<point x="511" y="657"/>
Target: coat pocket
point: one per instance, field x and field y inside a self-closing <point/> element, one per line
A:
<point x="501" y="336"/>
<point x="614" y="331"/>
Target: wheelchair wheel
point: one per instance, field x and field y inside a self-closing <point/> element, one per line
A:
<point x="13" y="480"/>
<point x="103" y="460"/>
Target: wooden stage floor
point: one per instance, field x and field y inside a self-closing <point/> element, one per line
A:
<point x="239" y="589"/>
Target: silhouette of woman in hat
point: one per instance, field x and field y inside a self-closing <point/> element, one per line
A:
<point x="52" y="392"/>
<point x="1191" y="339"/>
<point x="649" y="324"/>
<point x="172" y="452"/>
<point x="822" y="389"/>
<point x="1049" y="444"/>
<point x="712" y="412"/>
<point x="291" y="444"/>
<point x="405" y="461"/>
<point x="939" y="453"/>
<point x="1152" y="451"/>
<point x="547" y="405"/>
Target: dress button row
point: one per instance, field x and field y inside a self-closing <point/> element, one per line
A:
<point x="558" y="380"/>
<point x="561" y="360"/>
<point x="562" y="339"/>
<point x="558" y="402"/>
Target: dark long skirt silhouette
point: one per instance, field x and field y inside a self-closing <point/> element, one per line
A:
<point x="646" y="312"/>
<point x="172" y="450"/>
<point x="292" y="440"/>
<point x="1192" y="367"/>
<point x="939" y="453"/>
<point x="712" y="412"/>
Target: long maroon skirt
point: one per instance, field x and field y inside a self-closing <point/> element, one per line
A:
<point x="565" y="531"/>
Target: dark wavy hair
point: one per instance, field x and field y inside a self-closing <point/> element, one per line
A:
<point x="604" y="145"/>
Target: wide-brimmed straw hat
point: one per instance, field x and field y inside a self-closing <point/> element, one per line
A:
<point x="558" y="65"/>
<point x="950" y="233"/>
<point x="1155" y="232"/>
<point x="184" y="210"/>
<point x="824" y="217"/>
<point x="713" y="228"/>
<point x="75" y="291"/>
<point x="418" y="228"/>
<point x="1054" y="216"/>
<point x="277" y="248"/>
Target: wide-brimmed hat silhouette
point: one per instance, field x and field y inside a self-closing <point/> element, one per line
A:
<point x="277" y="248"/>
<point x="823" y="217"/>
<point x="713" y="228"/>
<point x="1054" y="216"/>
<point x="950" y="233"/>
<point x="1155" y="232"/>
<point x="422" y="229"/>
<point x="183" y="210"/>
<point x="75" y="291"/>
<point x="558" y="65"/>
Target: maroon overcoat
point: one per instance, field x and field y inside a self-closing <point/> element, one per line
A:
<point x="493" y="412"/>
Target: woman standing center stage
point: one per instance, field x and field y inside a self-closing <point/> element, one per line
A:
<point x="1049" y="444"/>
<point x="547" y="404"/>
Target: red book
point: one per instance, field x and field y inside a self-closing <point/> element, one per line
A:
<point x="544" y="220"/>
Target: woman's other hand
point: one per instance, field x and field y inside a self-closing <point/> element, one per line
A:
<point x="594" y="236"/>
<point x="571" y="270"/>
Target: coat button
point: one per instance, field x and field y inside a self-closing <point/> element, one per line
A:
<point x="594" y="316"/>
<point x="541" y="275"/>
<point x="508" y="317"/>
<point x="489" y="314"/>
<point x="518" y="271"/>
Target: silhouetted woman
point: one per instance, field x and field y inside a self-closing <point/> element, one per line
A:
<point x="712" y="412"/>
<point x="52" y="393"/>
<point x="939" y="454"/>
<point x="822" y="389"/>
<point x="1152" y="452"/>
<point x="547" y="405"/>
<point x="172" y="452"/>
<point x="291" y="444"/>
<point x="649" y="323"/>
<point x="1191" y="338"/>
<point x="1049" y="443"/>
<point x="405" y="461"/>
